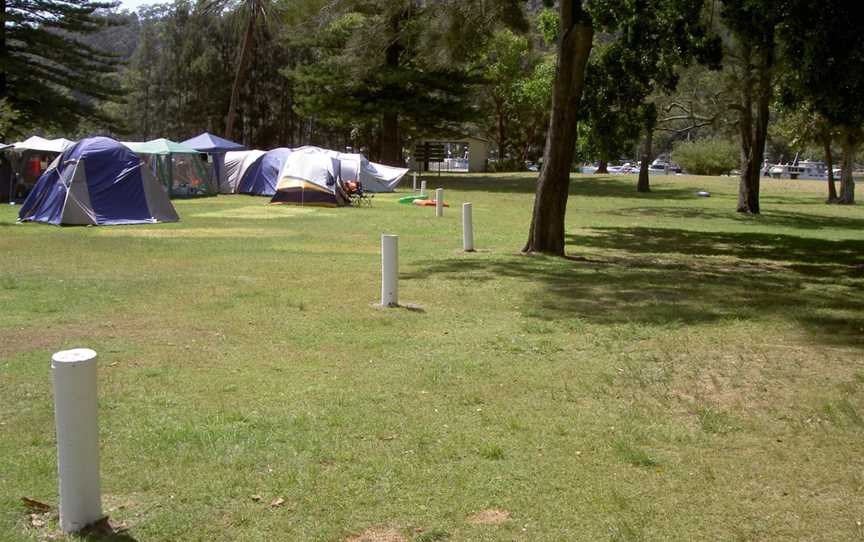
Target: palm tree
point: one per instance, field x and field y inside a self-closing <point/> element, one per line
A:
<point x="253" y="10"/>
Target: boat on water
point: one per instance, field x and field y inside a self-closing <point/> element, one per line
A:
<point x="658" y="166"/>
<point x="663" y="166"/>
<point x="799" y="169"/>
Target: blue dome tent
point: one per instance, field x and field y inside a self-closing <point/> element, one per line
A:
<point x="262" y="177"/>
<point x="98" y="181"/>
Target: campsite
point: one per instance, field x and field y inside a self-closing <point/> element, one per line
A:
<point x="431" y="271"/>
<point x="242" y="362"/>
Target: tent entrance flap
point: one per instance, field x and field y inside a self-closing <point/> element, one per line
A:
<point x="292" y="191"/>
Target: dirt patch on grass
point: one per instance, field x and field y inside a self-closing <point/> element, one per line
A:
<point x="491" y="516"/>
<point x="79" y="334"/>
<point x="191" y="233"/>
<point x="260" y="212"/>
<point x="50" y="337"/>
<point x="378" y="534"/>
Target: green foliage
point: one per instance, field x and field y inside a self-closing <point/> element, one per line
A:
<point x="505" y="165"/>
<point x="8" y="118"/>
<point x="49" y="74"/>
<point x="376" y="59"/>
<point x="178" y="81"/>
<point x="503" y="63"/>
<point x="827" y="74"/>
<point x="645" y="46"/>
<point x="706" y="156"/>
<point x="515" y="98"/>
<point x="549" y="25"/>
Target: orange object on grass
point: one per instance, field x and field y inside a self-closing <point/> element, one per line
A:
<point x="427" y="203"/>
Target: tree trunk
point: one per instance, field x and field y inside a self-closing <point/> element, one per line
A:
<point x="502" y="131"/>
<point x="248" y="38"/>
<point x="829" y="161"/>
<point x="602" y="167"/>
<point x="391" y="145"/>
<point x="3" y="52"/>
<point x="754" y="128"/>
<point x="643" y="185"/>
<point x="391" y="153"/>
<point x="546" y="233"/>
<point x="847" y="183"/>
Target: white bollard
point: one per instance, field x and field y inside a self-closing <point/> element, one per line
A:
<point x="423" y="188"/>
<point x="75" y="414"/>
<point x="467" y="228"/>
<point x="414" y="175"/>
<point x="439" y="202"/>
<point x="389" y="270"/>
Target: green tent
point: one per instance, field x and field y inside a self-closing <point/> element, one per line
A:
<point x="180" y="168"/>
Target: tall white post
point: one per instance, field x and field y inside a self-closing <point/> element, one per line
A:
<point x="467" y="228"/>
<point x="439" y="202"/>
<point x="389" y="270"/>
<point x="75" y="414"/>
<point x="423" y="188"/>
<point x="414" y="175"/>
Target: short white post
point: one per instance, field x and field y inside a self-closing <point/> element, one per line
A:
<point x="389" y="270"/>
<point x="439" y="202"/>
<point x="75" y="414"/>
<point x="423" y="188"/>
<point x="467" y="228"/>
<point x="414" y="175"/>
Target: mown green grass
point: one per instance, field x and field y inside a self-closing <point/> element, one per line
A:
<point x="693" y="374"/>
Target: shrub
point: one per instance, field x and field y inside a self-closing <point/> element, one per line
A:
<point x="707" y="156"/>
<point x="506" y="165"/>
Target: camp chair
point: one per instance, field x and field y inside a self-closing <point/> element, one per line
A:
<point x="357" y="196"/>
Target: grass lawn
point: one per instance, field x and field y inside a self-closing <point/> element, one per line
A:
<point x="693" y="375"/>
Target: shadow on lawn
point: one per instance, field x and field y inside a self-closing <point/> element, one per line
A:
<point x="666" y="277"/>
<point x="783" y="219"/>
<point x="596" y="187"/>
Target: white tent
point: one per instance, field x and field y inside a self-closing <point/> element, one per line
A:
<point x="27" y="160"/>
<point x="40" y="144"/>
<point x="372" y="175"/>
<point x="310" y="164"/>
<point x="310" y="177"/>
<point x="236" y="164"/>
<point x="356" y="167"/>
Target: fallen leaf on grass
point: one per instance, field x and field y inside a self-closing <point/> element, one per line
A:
<point x="37" y="521"/>
<point x="256" y="498"/>
<point x="38" y="506"/>
<point x="278" y="501"/>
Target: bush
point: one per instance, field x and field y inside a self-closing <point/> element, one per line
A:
<point x="706" y="157"/>
<point x="505" y="166"/>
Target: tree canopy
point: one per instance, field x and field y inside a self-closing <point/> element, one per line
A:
<point x="49" y="76"/>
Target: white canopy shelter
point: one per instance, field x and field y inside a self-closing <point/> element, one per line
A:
<point x="40" y="144"/>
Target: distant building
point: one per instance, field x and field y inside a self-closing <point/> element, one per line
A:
<point x="467" y="154"/>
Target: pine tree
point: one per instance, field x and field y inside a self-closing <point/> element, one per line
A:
<point x="47" y="74"/>
<point x="395" y="68"/>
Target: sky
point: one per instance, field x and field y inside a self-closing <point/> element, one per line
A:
<point x="133" y="5"/>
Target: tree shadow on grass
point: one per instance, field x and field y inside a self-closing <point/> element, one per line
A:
<point x="783" y="219"/>
<point x="599" y="187"/>
<point x="784" y="248"/>
<point x="677" y="277"/>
